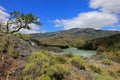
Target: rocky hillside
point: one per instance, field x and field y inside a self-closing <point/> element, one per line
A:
<point x="17" y="46"/>
<point x="73" y="37"/>
<point x="24" y="48"/>
<point x="14" y="51"/>
<point x="106" y="43"/>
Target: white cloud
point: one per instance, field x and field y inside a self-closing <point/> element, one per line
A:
<point x="106" y="14"/>
<point x="34" y="29"/>
<point x="93" y="19"/>
<point x="25" y="31"/>
<point x="3" y="15"/>
<point x="106" y="5"/>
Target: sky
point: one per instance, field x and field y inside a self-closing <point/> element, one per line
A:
<point x="56" y="15"/>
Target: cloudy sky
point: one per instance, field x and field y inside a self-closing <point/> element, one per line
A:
<point x="58" y="15"/>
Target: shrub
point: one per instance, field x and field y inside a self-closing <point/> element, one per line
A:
<point x="57" y="72"/>
<point x="43" y="77"/>
<point x="106" y="62"/>
<point x="114" y="58"/>
<point x="26" y="37"/>
<point x="39" y="67"/>
<point x="12" y="52"/>
<point x="7" y="47"/>
<point x="37" y="56"/>
<point x="23" y="36"/>
<point x="77" y="61"/>
<point x="3" y="42"/>
<point x="59" y="59"/>
<point x="101" y="49"/>
<point x="95" y="69"/>
<point x="115" y="74"/>
<point x="37" y="63"/>
<point x="103" y="77"/>
<point x="69" y="55"/>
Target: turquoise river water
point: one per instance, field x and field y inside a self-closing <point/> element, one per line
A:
<point x="83" y="53"/>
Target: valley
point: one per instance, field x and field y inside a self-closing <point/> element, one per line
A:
<point x="46" y="57"/>
<point x="60" y="40"/>
<point x="73" y="37"/>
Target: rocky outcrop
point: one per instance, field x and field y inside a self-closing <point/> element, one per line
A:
<point x="24" y="48"/>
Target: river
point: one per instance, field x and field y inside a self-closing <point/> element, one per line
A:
<point x="83" y="53"/>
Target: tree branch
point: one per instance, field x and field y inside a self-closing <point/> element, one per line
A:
<point x="7" y="26"/>
<point x="16" y="30"/>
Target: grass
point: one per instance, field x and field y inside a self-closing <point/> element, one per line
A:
<point x="114" y="58"/>
<point x="107" y="62"/>
<point x="95" y="69"/>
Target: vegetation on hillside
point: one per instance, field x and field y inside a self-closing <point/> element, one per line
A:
<point x="44" y="66"/>
<point x="107" y="46"/>
<point x="72" y="38"/>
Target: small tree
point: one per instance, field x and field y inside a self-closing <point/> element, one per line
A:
<point x="15" y="22"/>
<point x="18" y="21"/>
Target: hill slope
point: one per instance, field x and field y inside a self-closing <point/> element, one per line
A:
<point x="108" y="47"/>
<point x="109" y="44"/>
<point x="73" y="37"/>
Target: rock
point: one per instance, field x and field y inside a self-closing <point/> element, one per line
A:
<point x="51" y="48"/>
<point x="23" y="47"/>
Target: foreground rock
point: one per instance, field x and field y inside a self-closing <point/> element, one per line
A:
<point x="23" y="47"/>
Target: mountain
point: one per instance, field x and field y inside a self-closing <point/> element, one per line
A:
<point x="73" y="37"/>
<point x="105" y="44"/>
<point x="108" y="47"/>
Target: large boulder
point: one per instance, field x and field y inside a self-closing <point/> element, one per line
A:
<point x="24" y="48"/>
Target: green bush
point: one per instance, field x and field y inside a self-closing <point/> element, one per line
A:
<point x="114" y="58"/>
<point x="115" y="74"/>
<point x="43" y="77"/>
<point x="59" y="59"/>
<point x="23" y="36"/>
<point x="77" y="61"/>
<point x="69" y="55"/>
<point x="95" y="69"/>
<point x="103" y="77"/>
<point x="11" y="50"/>
<point x="57" y="72"/>
<point x="3" y="42"/>
<point x="39" y="67"/>
<point x="7" y="47"/>
<point x="106" y="62"/>
<point x="37" y="63"/>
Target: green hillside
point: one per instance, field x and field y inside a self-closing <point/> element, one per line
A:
<point x="107" y="46"/>
<point x="72" y="38"/>
<point x="111" y="43"/>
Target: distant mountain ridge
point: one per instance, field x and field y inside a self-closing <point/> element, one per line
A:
<point x="72" y="37"/>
